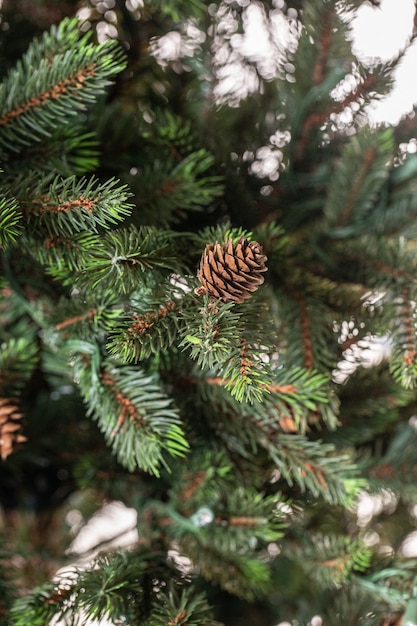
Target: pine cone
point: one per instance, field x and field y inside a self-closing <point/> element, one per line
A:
<point x="231" y="272"/>
<point x="10" y="426"/>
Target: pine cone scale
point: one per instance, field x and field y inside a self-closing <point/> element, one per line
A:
<point x="238" y="278"/>
<point x="10" y="426"/>
<point x="213" y="262"/>
<point x="221" y="256"/>
<point x="219" y="282"/>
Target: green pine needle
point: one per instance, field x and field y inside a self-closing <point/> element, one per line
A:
<point x="10" y="221"/>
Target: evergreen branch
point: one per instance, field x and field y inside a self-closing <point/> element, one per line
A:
<point x="18" y="358"/>
<point x="182" y="607"/>
<point x="315" y="119"/>
<point x="247" y="370"/>
<point x="127" y="259"/>
<point x="112" y="587"/>
<point x="403" y="360"/>
<point x="399" y="461"/>
<point x="63" y="256"/>
<point x="35" y="100"/>
<point x="211" y="335"/>
<point x="236" y="573"/>
<point x="208" y="474"/>
<point x="357" y="182"/>
<point x="304" y="320"/>
<point x="239" y="524"/>
<point x="299" y="399"/>
<point x="323" y="45"/>
<point x="283" y="389"/>
<point x="315" y="466"/>
<point x="58" y="39"/>
<point x="357" y="601"/>
<point x="369" y="405"/>
<point x="172" y="131"/>
<point x="390" y="584"/>
<point x="107" y="590"/>
<point x="83" y="317"/>
<point x="248" y="513"/>
<point x="167" y="189"/>
<point x="232" y="343"/>
<point x="363" y="171"/>
<point x="332" y="559"/>
<point x="42" y="605"/>
<point x="305" y="387"/>
<point x="23" y="304"/>
<point x="396" y="212"/>
<point x="376" y="262"/>
<point x="295" y="401"/>
<point x="234" y="518"/>
<point x="76" y="319"/>
<point x="10" y="221"/>
<point x="69" y="150"/>
<point x="70" y="206"/>
<point x="135" y="415"/>
<point x="245" y="374"/>
<point x="145" y="332"/>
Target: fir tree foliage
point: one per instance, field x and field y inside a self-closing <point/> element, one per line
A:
<point x="55" y="81"/>
<point x="243" y="434"/>
<point x="10" y="218"/>
<point x="179" y="607"/>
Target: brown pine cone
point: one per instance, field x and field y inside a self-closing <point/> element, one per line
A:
<point x="10" y="426"/>
<point x="231" y="272"/>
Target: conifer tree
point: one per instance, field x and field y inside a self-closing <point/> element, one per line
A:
<point x="200" y="247"/>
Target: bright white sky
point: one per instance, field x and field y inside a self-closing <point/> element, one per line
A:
<point x="382" y="32"/>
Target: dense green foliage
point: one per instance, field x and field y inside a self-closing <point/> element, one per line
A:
<point x="244" y="435"/>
